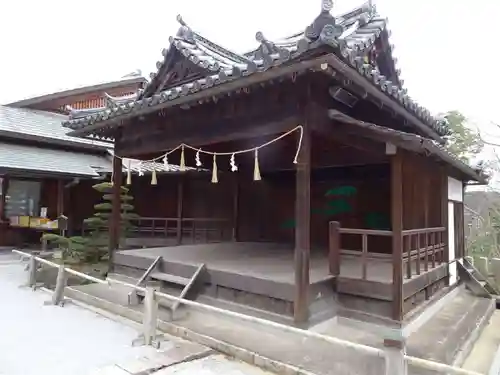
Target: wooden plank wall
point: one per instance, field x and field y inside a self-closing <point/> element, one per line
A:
<point x="422" y="189"/>
<point x="266" y="208"/>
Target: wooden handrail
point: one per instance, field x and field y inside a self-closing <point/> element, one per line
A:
<point x="410" y="232"/>
<point x="146" y="218"/>
<point x="197" y="229"/>
<point x="370" y="232"/>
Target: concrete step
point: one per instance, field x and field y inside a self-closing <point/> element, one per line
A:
<point x="244" y="309"/>
<point x="169" y="278"/>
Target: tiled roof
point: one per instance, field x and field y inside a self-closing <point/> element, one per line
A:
<point x="127" y="80"/>
<point x="24" y="158"/>
<point x="39" y="125"/>
<point x="28" y="159"/>
<point x="111" y="102"/>
<point x="349" y="36"/>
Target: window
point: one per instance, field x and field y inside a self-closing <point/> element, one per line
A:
<point x="22" y="198"/>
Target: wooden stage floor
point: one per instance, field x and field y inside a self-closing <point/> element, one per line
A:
<point x="267" y="261"/>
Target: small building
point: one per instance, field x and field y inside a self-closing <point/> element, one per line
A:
<point x="43" y="172"/>
<point x="334" y="182"/>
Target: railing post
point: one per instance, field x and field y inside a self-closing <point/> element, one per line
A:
<point x="334" y="248"/>
<point x="406" y="240"/>
<point x="395" y="362"/>
<point x="364" y="256"/>
<point x="150" y="313"/>
<point x="58" y="295"/>
<point x="32" y="272"/>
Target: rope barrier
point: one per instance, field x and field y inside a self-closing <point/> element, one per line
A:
<point x="182" y="164"/>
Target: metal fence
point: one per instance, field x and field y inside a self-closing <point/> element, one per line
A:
<point x="396" y="360"/>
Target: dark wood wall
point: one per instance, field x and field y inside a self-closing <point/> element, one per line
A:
<point x="423" y="191"/>
<point x="266" y="208"/>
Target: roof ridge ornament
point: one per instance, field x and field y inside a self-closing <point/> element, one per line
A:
<point x="184" y="31"/>
<point x="268" y="48"/>
<point x="324" y="27"/>
<point x="326" y="5"/>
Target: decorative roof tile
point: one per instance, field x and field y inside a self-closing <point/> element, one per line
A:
<point x="350" y="35"/>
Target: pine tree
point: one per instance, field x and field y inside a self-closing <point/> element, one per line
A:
<point x="93" y="247"/>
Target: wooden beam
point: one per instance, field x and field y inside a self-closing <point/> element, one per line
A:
<point x="303" y="228"/>
<point x="115" y="219"/>
<point x="210" y="133"/>
<point x="338" y="132"/>
<point x="180" y="204"/>
<point x="397" y="234"/>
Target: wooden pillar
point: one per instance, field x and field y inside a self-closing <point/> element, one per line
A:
<point x="426" y="195"/>
<point x="397" y="234"/>
<point x="334" y="256"/>
<point x="303" y="229"/>
<point x="4" y="185"/>
<point x="236" y="198"/>
<point x="60" y="197"/>
<point x="180" y="203"/>
<point x="114" y="225"/>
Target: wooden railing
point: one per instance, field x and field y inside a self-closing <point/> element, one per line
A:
<point x="422" y="248"/>
<point x="335" y="250"/>
<point x="192" y="229"/>
<point x="426" y="247"/>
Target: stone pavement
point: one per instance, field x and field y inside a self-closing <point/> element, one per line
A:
<point x="184" y="357"/>
<point x="38" y="340"/>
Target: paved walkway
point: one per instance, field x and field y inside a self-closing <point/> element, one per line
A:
<point x="38" y="340"/>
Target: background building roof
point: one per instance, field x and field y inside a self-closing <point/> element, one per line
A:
<point x="41" y="126"/>
<point x="24" y="159"/>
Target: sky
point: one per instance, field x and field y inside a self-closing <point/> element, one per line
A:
<point x="446" y="49"/>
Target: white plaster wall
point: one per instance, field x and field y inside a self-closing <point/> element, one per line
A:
<point x="452" y="267"/>
<point x="455" y="190"/>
